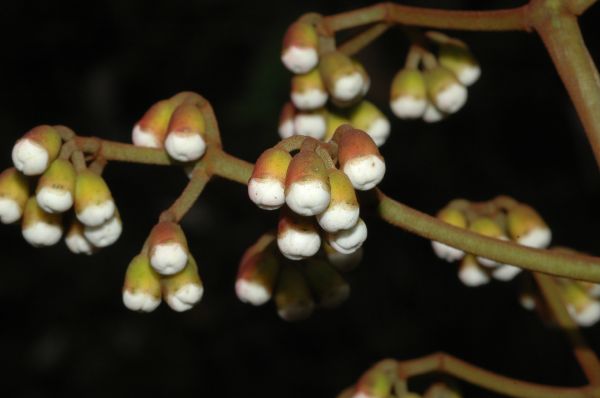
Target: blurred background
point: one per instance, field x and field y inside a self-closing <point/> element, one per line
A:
<point x="97" y="66"/>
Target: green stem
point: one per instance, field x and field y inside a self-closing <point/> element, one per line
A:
<point x="363" y="39"/>
<point x="120" y="152"/>
<point x="188" y="197"/>
<point x="231" y="168"/>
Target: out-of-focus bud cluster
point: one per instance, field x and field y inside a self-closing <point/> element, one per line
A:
<point x="501" y="218"/>
<point x="175" y="124"/>
<point x="320" y="199"/>
<point x="43" y="188"/>
<point x="296" y="287"/>
<point x="431" y="87"/>
<point x="326" y="91"/>
<point x="165" y="268"/>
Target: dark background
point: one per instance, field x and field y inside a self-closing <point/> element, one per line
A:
<point x="96" y="67"/>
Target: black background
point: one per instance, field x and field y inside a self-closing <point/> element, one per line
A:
<point x="96" y="67"/>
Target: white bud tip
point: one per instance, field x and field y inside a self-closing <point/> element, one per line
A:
<point x="486" y="262"/>
<point x="348" y="87"/>
<point x="473" y="276"/>
<point x="379" y="130"/>
<point x="141" y="302"/>
<point x="286" y="129"/>
<point x="349" y="240"/>
<point x="105" y="234"/>
<point x="308" y="198"/>
<point x="452" y="98"/>
<point x="594" y="290"/>
<point x="309" y="99"/>
<point x="365" y="172"/>
<point x="185" y="147"/>
<point x="185" y="297"/>
<point x="338" y="217"/>
<point x="250" y="292"/>
<point x="42" y="234"/>
<point x="53" y="200"/>
<point x="29" y="157"/>
<point x="506" y="272"/>
<point x="95" y="215"/>
<point x="78" y="244"/>
<point x="310" y="125"/>
<point x="9" y="211"/>
<point x="144" y="138"/>
<point x="527" y="301"/>
<point x="407" y="107"/>
<point x="266" y="193"/>
<point x="296" y="245"/>
<point x="336" y="297"/>
<point x="432" y="114"/>
<point x="469" y="75"/>
<point x="587" y="316"/>
<point x="362" y="395"/>
<point x="296" y="312"/>
<point x="538" y="238"/>
<point x="446" y="252"/>
<point x="300" y="60"/>
<point x="168" y="258"/>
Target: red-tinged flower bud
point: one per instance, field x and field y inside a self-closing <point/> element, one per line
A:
<point x="584" y="309"/>
<point x="308" y="91"/>
<point x="36" y="150"/>
<point x="343" y="262"/>
<point x="329" y="286"/>
<point x="343" y="209"/>
<point x="458" y="219"/>
<point x="168" y="248"/>
<point x="487" y="227"/>
<point x="286" y="121"/>
<point x="266" y="187"/>
<point x="76" y="240"/>
<point x="40" y="228"/>
<point x="299" y="53"/>
<point x="365" y="116"/>
<point x="141" y="290"/>
<point x="151" y="129"/>
<point x="460" y="61"/>
<point x="184" y="140"/>
<point x="292" y="297"/>
<point x="14" y="192"/>
<point x="56" y="187"/>
<point x="94" y="204"/>
<point x="185" y="289"/>
<point x="408" y="94"/>
<point x="297" y="237"/>
<point x="527" y="228"/>
<point x="307" y="190"/>
<point x="257" y="272"/>
<point x="349" y="240"/>
<point x="444" y="89"/>
<point x="378" y="381"/>
<point x="311" y="124"/>
<point x="471" y="273"/>
<point x="105" y="234"/>
<point x="333" y="121"/>
<point x="344" y="81"/>
<point x="365" y="76"/>
<point x="432" y="114"/>
<point x="359" y="158"/>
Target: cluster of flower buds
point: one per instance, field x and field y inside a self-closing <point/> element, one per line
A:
<point x="501" y="218"/>
<point x="176" y="124"/>
<point x="296" y="287"/>
<point x="327" y="90"/>
<point x="316" y="193"/>
<point x="59" y="188"/>
<point x="164" y="268"/>
<point x="433" y="87"/>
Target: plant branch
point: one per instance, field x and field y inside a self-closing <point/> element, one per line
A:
<point x="363" y="39"/>
<point x="188" y="197"/>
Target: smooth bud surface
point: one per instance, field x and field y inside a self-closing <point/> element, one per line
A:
<point x="366" y="116"/>
<point x="408" y="94"/>
<point x="461" y="62"/>
<point x="444" y="89"/>
<point x="297" y="237"/>
<point x="40" y="228"/>
<point x="183" y="290"/>
<point x="185" y="141"/>
<point x="141" y="290"/>
<point x="168" y="248"/>
<point x="151" y="129"/>
<point x="266" y="187"/>
<point x="56" y="188"/>
<point x="14" y="192"/>
<point x="76" y="240"/>
<point x="94" y="204"/>
<point x="308" y="91"/>
<point x="33" y="153"/>
<point x="105" y="234"/>
<point x="343" y="209"/>
<point x="299" y="53"/>
<point x="307" y="190"/>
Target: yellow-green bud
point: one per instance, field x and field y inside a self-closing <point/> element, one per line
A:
<point x="185" y="289"/>
<point x="292" y="297"/>
<point x="141" y="290"/>
<point x="366" y="116"/>
<point x="14" y="192"/>
<point x="461" y="61"/>
<point x="56" y="188"/>
<point x="329" y="286"/>
<point x="444" y="89"/>
<point x="408" y="94"/>
<point x="94" y="204"/>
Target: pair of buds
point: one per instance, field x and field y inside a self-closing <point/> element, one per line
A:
<point x="517" y="222"/>
<point x="177" y="124"/>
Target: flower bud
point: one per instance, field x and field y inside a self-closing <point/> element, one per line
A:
<point x="333" y="121"/>
<point x="445" y="91"/>
<point x="299" y="53"/>
<point x="441" y="390"/>
<point x="328" y="285"/>
<point x="359" y="158"/>
<point x="266" y="187"/>
<point x="342" y="262"/>
<point x="487" y="227"/>
<point x="343" y="79"/>
<point x="184" y="289"/>
<point x="365" y="76"/>
<point x="365" y="116"/>
<point x="583" y="309"/>
<point x="593" y="289"/>
<point x="297" y="237"/>
<point x="311" y="124"/>
<point x="349" y="240"/>
<point x="471" y="273"/>
<point x="257" y="273"/>
<point x="307" y="190"/>
<point x="141" y="290"/>
<point x="94" y="204"/>
<point x="56" y="187"/>
<point x="105" y="234"/>
<point x="408" y="94"/>
<point x="506" y="272"/>
<point x="460" y="61"/>
<point x="378" y="381"/>
<point x="76" y="240"/>
<point x="343" y="209"/>
<point x="432" y="114"/>
<point x="168" y="248"/>
<point x="308" y="91"/>
<point x="286" y="120"/>
<point x="40" y="228"/>
<point x="455" y="218"/>
<point x="14" y="192"/>
<point x="527" y="228"/>
<point x="151" y="129"/>
<point x="184" y="138"/>
<point x="292" y="296"/>
<point x="36" y="150"/>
